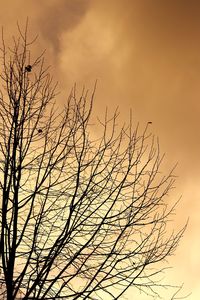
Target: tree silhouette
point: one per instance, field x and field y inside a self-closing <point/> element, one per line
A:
<point x="82" y="217"/>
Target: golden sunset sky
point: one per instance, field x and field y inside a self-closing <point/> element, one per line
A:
<point x="146" y="57"/>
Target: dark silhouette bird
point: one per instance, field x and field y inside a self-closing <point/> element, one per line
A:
<point x="39" y="130"/>
<point x="28" y="68"/>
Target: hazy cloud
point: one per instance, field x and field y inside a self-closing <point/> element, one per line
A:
<point x="59" y="16"/>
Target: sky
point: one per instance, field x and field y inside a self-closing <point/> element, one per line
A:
<point x="145" y="55"/>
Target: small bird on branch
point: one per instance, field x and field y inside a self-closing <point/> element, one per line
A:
<point x="28" y="68"/>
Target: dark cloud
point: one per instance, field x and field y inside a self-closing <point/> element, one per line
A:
<point x="58" y="17"/>
<point x="49" y="19"/>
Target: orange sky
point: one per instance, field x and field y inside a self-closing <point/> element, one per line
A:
<point x="146" y="56"/>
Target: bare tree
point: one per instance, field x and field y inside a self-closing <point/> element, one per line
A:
<point x="82" y="217"/>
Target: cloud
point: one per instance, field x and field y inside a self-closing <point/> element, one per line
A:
<point x="60" y="16"/>
<point x="49" y="19"/>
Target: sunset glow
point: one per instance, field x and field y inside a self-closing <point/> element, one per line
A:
<point x="145" y="56"/>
